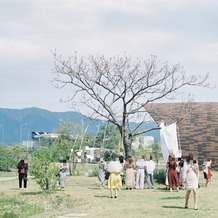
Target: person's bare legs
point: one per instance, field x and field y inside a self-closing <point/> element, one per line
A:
<point x="187" y="194"/>
<point x="171" y="189"/>
<point x="207" y="182"/>
<point x="111" y="192"/>
<point x="195" y="191"/>
<point x="177" y="188"/>
<point x="115" y="190"/>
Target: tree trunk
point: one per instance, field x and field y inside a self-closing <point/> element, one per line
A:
<point x="127" y="143"/>
<point x="73" y="163"/>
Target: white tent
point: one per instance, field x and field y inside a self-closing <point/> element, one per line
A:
<point x="169" y="141"/>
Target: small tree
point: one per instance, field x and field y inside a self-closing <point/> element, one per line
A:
<point x="10" y="156"/>
<point x="5" y="159"/>
<point x="72" y="138"/>
<point x="156" y="152"/>
<point x="16" y="153"/>
<point x="43" y="168"/>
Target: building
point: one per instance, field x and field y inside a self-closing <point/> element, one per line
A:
<point x="197" y="127"/>
<point x="144" y="141"/>
<point x="38" y="135"/>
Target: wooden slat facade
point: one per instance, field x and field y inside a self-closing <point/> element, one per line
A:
<point x="197" y="131"/>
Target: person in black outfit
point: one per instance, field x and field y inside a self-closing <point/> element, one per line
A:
<point x="22" y="167"/>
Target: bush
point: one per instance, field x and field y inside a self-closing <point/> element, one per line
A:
<point x="43" y="168"/>
<point x="94" y="172"/>
<point x="160" y="176"/>
<point x="5" y="159"/>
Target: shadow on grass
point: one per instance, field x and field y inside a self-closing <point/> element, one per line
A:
<point x="46" y="192"/>
<point x="172" y="198"/>
<point x="102" y="196"/>
<point x="168" y="190"/>
<point x="175" y="207"/>
<point x="163" y="189"/>
<point x="26" y="192"/>
<point x="95" y="188"/>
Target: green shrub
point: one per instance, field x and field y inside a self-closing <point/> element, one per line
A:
<point x="94" y="172"/>
<point x="160" y="176"/>
<point x="10" y="215"/>
<point x="43" y="168"/>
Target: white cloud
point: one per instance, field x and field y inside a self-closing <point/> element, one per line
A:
<point x="176" y="31"/>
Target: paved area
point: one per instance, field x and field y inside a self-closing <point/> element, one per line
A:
<point x="12" y="178"/>
<point x="8" y="178"/>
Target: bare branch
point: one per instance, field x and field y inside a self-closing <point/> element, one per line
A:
<point x="118" y="89"/>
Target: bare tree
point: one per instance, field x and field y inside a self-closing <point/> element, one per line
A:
<point x="118" y="89"/>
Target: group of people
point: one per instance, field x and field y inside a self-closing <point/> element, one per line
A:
<point x="135" y="173"/>
<point x="185" y="173"/>
<point x="180" y="174"/>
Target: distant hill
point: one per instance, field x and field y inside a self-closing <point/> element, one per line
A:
<point x="16" y="125"/>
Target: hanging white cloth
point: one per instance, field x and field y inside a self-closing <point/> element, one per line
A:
<point x="169" y="141"/>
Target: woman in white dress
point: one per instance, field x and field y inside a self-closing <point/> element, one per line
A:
<point x="191" y="178"/>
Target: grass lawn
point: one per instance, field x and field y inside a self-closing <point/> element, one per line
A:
<point x="83" y="196"/>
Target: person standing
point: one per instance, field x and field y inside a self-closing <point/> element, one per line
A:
<point x="191" y="178"/>
<point x="181" y="170"/>
<point x="207" y="171"/>
<point x="62" y="175"/>
<point x="140" y="173"/>
<point x="150" y="167"/>
<point x="114" y="182"/>
<point x="173" y="180"/>
<point x="22" y="167"/>
<point x="129" y="167"/>
<point x="101" y="173"/>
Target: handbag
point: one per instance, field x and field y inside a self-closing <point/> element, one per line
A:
<point x="107" y="174"/>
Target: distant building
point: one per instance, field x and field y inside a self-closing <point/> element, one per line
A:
<point x="145" y="142"/>
<point x="28" y="144"/>
<point x="135" y="143"/>
<point x="91" y="154"/>
<point x="148" y="141"/>
<point x="37" y="135"/>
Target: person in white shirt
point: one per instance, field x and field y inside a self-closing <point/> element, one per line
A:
<point x="140" y="173"/>
<point x="150" y="166"/>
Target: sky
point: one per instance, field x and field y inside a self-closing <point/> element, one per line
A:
<point x="184" y="32"/>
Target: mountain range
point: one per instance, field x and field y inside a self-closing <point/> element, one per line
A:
<point x="17" y="125"/>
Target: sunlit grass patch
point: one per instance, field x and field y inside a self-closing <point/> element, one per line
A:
<point x="12" y="207"/>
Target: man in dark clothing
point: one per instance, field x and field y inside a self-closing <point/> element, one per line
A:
<point x="22" y="167"/>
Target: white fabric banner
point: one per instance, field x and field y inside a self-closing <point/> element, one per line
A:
<point x="169" y="141"/>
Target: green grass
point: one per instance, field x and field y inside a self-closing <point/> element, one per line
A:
<point x="82" y="195"/>
<point x="13" y="208"/>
